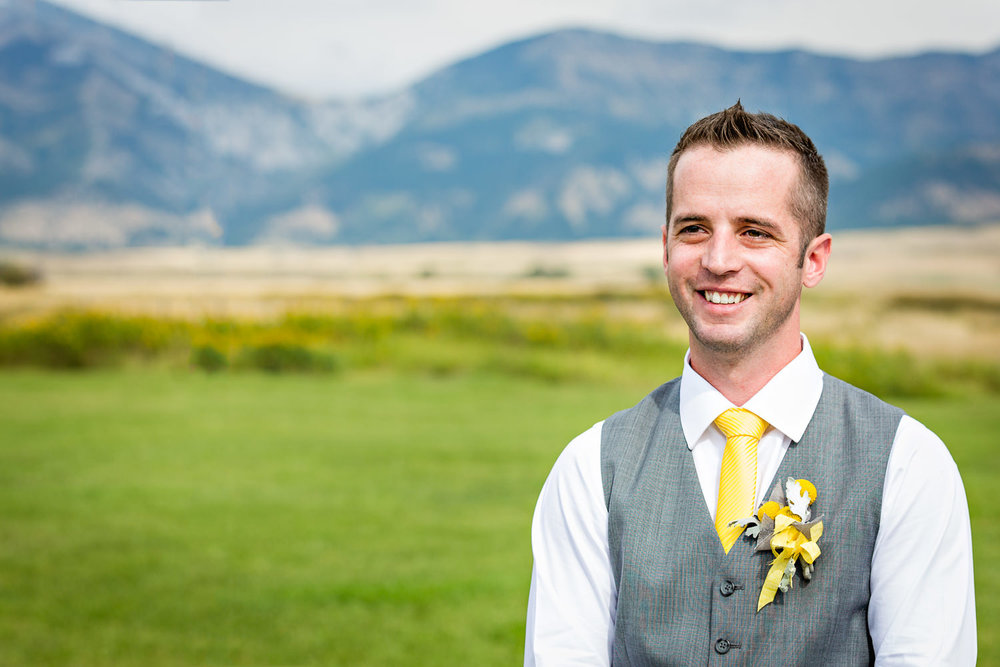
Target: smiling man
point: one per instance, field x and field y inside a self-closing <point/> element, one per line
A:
<point x="754" y="510"/>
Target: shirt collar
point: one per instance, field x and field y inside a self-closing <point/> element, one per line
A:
<point x="786" y="402"/>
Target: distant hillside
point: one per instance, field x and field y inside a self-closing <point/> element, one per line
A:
<point x="107" y="140"/>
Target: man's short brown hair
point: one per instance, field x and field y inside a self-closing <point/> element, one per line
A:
<point x="734" y="127"/>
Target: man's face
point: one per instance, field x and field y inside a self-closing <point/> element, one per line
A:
<point x="732" y="247"/>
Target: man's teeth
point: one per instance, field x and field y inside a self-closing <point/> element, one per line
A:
<point x="724" y="297"/>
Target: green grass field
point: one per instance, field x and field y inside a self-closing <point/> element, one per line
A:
<point x="163" y="518"/>
<point x="152" y="516"/>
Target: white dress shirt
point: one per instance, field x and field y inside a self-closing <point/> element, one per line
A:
<point x="922" y="607"/>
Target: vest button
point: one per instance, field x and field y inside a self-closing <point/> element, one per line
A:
<point x="727" y="588"/>
<point x="722" y="646"/>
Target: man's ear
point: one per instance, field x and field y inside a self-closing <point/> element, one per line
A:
<point x="816" y="256"/>
<point x="663" y="229"/>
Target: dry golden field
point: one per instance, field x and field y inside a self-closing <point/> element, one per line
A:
<point x="933" y="290"/>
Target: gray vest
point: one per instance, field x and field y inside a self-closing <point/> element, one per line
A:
<point x="682" y="600"/>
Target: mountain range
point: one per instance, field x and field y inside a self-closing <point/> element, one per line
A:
<point x="107" y="140"/>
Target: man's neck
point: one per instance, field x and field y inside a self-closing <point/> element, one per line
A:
<point x="741" y="375"/>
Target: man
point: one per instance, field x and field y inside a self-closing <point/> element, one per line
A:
<point x="646" y="543"/>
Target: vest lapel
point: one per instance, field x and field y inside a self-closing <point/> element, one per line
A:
<point x="686" y="505"/>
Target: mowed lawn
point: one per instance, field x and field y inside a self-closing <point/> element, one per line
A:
<point x="156" y="517"/>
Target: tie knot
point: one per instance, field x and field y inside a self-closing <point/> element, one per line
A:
<point x="737" y="421"/>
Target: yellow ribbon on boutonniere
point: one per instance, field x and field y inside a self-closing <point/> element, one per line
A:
<point x="791" y="541"/>
<point x="783" y="527"/>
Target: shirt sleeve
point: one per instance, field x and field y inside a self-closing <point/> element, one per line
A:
<point x="922" y="609"/>
<point x="571" y="604"/>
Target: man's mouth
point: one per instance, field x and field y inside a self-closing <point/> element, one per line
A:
<point x="723" y="297"/>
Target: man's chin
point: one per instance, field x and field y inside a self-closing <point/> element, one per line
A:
<point x="724" y="343"/>
<point x="725" y="347"/>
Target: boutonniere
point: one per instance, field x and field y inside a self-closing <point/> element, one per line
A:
<point x="785" y="527"/>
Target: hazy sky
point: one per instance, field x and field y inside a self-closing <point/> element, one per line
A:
<point x="324" y="48"/>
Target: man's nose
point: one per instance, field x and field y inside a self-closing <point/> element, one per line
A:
<point x="722" y="254"/>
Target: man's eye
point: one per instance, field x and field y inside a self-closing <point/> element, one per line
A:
<point x="690" y="229"/>
<point x="756" y="234"/>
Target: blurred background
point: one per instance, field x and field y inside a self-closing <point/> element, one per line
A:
<point x="299" y="302"/>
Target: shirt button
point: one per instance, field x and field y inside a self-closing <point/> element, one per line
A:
<point x="722" y="646"/>
<point x="727" y="588"/>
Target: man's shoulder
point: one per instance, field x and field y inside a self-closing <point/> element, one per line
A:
<point x="626" y="433"/>
<point x="912" y="436"/>
<point x="856" y="398"/>
<point x="583" y="446"/>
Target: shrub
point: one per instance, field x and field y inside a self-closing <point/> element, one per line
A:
<point x="883" y="373"/>
<point x="542" y="271"/>
<point x="209" y="358"/>
<point x="13" y="274"/>
<point x="544" y="337"/>
<point x="653" y="274"/>
<point x="284" y="357"/>
<point x="84" y="339"/>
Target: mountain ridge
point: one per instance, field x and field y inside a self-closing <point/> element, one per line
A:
<point x="107" y="140"/>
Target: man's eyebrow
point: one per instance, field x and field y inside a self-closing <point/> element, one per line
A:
<point x="758" y="222"/>
<point x="693" y="217"/>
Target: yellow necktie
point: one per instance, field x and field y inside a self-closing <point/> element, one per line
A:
<point x="738" y="481"/>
